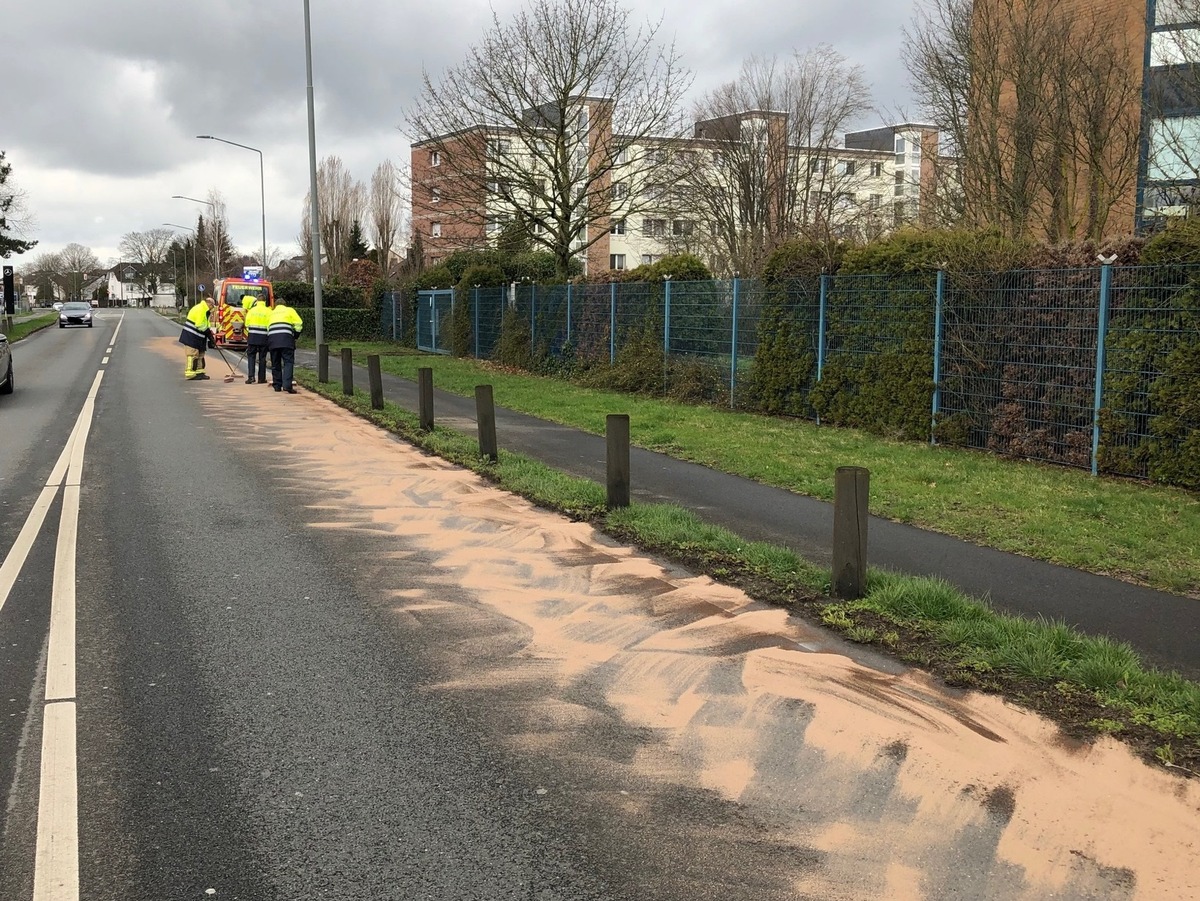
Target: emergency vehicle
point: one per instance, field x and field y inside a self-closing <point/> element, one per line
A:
<point x="233" y="297"/>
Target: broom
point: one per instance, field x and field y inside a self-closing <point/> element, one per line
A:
<point x="232" y="375"/>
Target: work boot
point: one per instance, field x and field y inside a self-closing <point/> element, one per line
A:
<point x="249" y="381"/>
<point x="201" y="375"/>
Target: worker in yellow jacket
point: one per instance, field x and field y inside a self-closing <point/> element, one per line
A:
<point x="284" y="326"/>
<point x="197" y="336"/>
<point x="258" y="321"/>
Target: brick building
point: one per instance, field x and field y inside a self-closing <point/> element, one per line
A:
<point x="460" y="199"/>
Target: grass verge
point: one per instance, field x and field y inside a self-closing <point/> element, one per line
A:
<point x="29" y="326"/>
<point x="1089" y="686"/>
<point x="1142" y="533"/>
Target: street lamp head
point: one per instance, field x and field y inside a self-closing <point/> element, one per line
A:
<point x="207" y="137"/>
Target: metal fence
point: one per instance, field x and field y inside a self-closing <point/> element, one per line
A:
<point x="1070" y="366"/>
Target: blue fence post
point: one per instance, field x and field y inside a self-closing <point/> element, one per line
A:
<point x="533" y="319"/>
<point x="1101" y="340"/>
<point x="392" y="297"/>
<point x="822" y="305"/>
<point x="733" y="341"/>
<point x="476" y="327"/>
<point x="612" y="326"/>
<point x="938" y="307"/>
<point x="667" y="317"/>
<point x="569" y="312"/>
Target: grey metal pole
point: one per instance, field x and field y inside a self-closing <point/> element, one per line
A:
<point x="314" y="209"/>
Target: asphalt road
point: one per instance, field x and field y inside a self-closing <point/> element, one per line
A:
<point x="251" y="648"/>
<point x="249" y="726"/>
<point x="1164" y="628"/>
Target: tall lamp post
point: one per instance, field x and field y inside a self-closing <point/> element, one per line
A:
<point x="217" y="274"/>
<point x="195" y="275"/>
<point x="315" y="225"/>
<point x="262" y="188"/>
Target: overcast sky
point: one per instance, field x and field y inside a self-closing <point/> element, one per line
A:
<point x="100" y="102"/>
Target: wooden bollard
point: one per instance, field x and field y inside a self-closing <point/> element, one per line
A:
<point x="851" y="491"/>
<point x="323" y="363"/>
<point x="425" y="398"/>
<point x="616" y="433"/>
<point x="485" y="415"/>
<point x="376" y="379"/>
<point x="347" y="371"/>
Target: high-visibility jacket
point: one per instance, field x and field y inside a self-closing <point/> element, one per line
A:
<point x="285" y="324"/>
<point x="258" y="321"/>
<point x="196" y="328"/>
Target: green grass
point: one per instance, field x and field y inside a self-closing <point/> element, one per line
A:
<point x="1092" y="685"/>
<point x="1139" y="532"/>
<point x="29" y="326"/>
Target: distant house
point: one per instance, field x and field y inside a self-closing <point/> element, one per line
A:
<point x="129" y="286"/>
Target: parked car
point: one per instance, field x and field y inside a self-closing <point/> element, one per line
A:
<point x="58" y="305"/>
<point x="75" y="313"/>
<point x="6" y="373"/>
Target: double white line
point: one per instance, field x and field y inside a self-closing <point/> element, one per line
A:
<point x="56" y="861"/>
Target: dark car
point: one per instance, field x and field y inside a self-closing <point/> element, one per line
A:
<point x="6" y="374"/>
<point x="75" y="313"/>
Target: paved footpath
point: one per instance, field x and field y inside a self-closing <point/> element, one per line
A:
<point x="1163" y="627"/>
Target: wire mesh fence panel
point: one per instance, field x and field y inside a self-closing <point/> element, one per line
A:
<point x="1150" y="418"/>
<point x="1018" y="363"/>
<point x="697" y="331"/>
<point x="487" y="318"/>
<point x="777" y="335"/>
<point x="878" y="371"/>
<point x="590" y="321"/>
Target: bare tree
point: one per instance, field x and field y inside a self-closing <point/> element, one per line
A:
<point x="15" y="218"/>
<point x="549" y="121"/>
<point x="343" y="202"/>
<point x="149" y="251"/>
<point x="1039" y="101"/>
<point x="386" y="213"/>
<point x="75" y="266"/>
<point x="769" y="168"/>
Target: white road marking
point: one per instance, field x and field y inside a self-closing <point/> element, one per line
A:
<point x="15" y="559"/>
<point x="56" y="872"/>
<point x="56" y="858"/>
<point x="104" y="362"/>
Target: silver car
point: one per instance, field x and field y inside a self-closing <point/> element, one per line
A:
<point x="6" y="374"/>
<point x="75" y="313"/>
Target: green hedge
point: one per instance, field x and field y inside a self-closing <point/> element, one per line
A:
<point x="300" y="294"/>
<point x="340" y="324"/>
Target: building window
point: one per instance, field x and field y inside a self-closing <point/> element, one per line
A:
<point x="495" y="225"/>
<point x="817" y="165"/>
<point x="681" y="228"/>
<point x="616" y="261"/>
<point x="717" y="157"/>
<point x="658" y="155"/>
<point x="875" y="202"/>
<point x="617" y="227"/>
<point x="435" y="158"/>
<point x="500" y="146"/>
<point x="848" y="167"/>
<point x="619" y="190"/>
<point x="493" y="186"/>
<point x="435" y="196"/>
<point x="649" y="258"/>
<point x="583" y="118"/>
<point x="876" y="170"/>
<point x="899" y="183"/>
<point x="654" y="228"/>
<point x="622" y="156"/>
<point x="435" y="230"/>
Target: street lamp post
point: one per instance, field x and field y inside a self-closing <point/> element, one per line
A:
<point x="315" y="225"/>
<point x="216" y="223"/>
<point x="262" y="188"/>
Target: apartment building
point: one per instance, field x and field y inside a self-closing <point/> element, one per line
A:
<point x="673" y="195"/>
